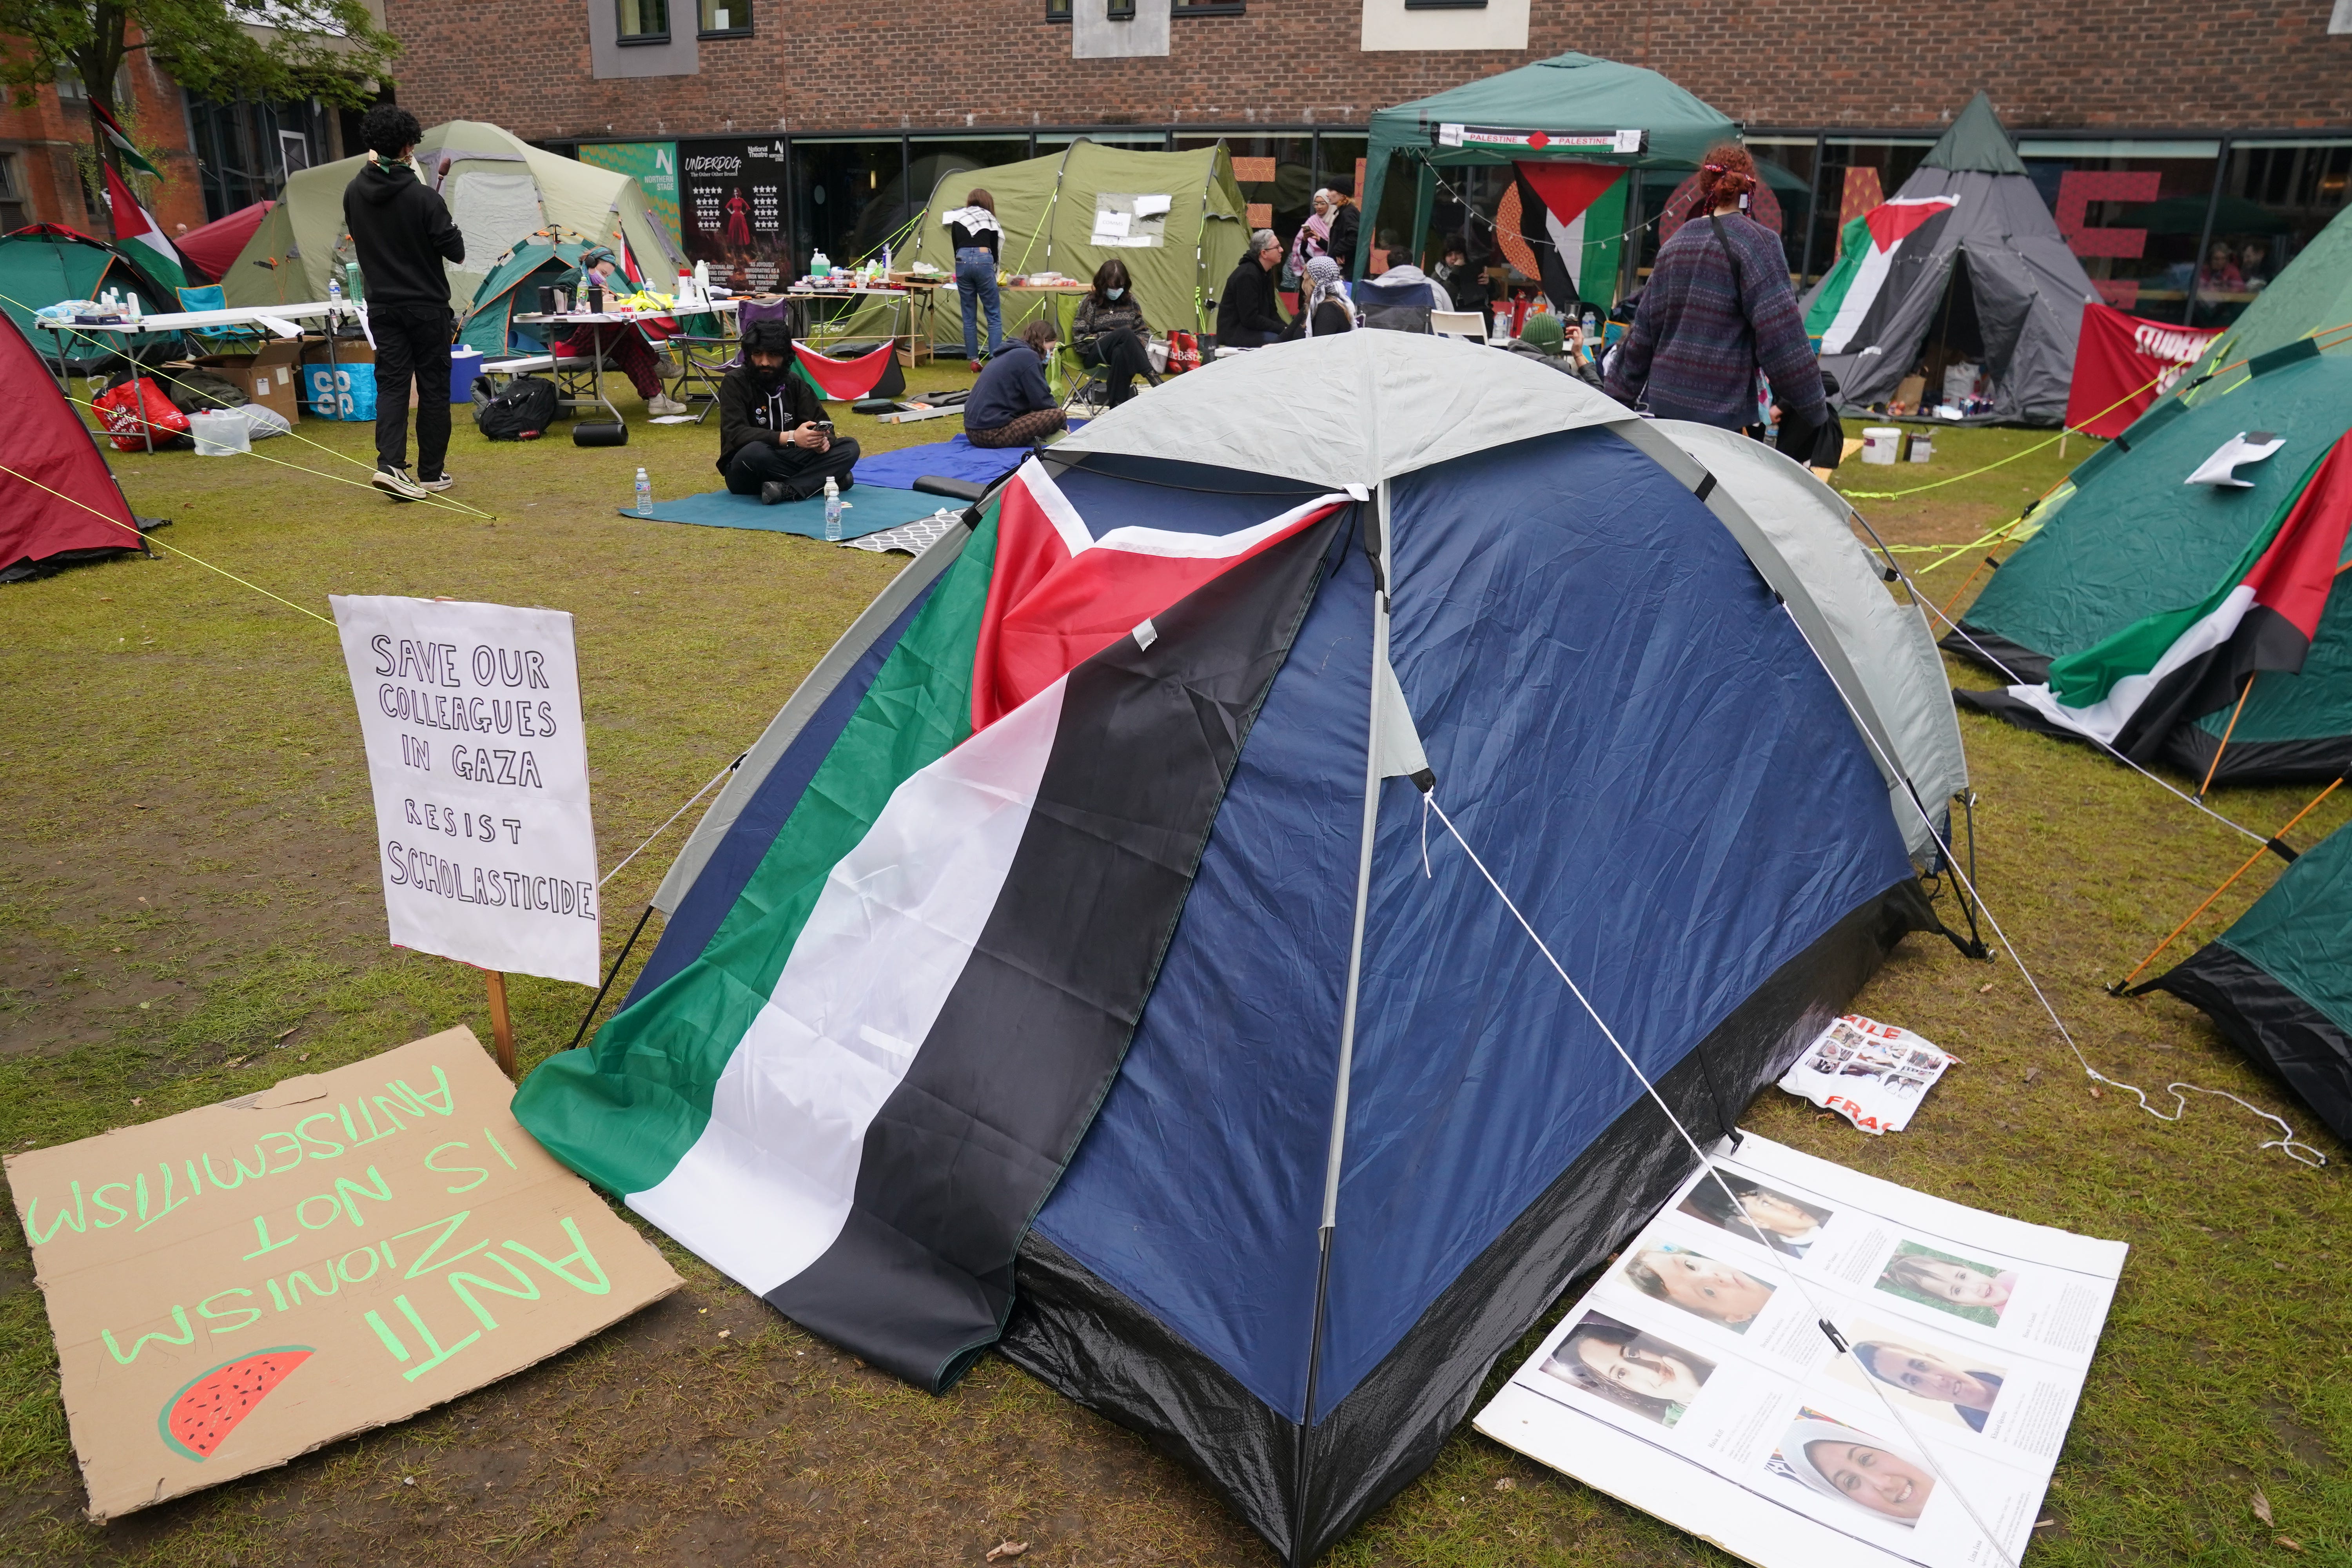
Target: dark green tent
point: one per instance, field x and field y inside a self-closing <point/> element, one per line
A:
<point x="2311" y="298"/>
<point x="45" y="263"/>
<point x="2279" y="981"/>
<point x="1572" y="109"/>
<point x="2131" y="539"/>
<point x="489" y="324"/>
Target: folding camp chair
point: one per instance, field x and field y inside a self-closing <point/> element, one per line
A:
<point x="221" y="341"/>
<point x="706" y="358"/>
<point x="1468" y="324"/>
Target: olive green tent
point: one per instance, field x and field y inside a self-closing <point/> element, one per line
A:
<point x="1571" y="109"/>
<point x="502" y="191"/>
<point x="1058" y="212"/>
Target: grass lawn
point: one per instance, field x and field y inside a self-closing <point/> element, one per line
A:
<point x="189" y="910"/>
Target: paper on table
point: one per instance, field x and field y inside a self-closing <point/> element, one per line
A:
<point x="1748" y="1429"/>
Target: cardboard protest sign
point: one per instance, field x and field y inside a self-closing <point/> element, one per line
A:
<point x="234" y="1286"/>
<point x="1698" y="1379"/>
<point x="471" y="714"/>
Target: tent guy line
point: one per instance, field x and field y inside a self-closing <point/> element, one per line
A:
<point x="158" y="543"/>
<point x="156" y="372"/>
<point x="1929" y="604"/>
<point x="1840" y="1341"/>
<point x="2287" y="1143"/>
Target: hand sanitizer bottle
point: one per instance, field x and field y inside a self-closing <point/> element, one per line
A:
<point x="833" y="505"/>
<point x="645" y="495"/>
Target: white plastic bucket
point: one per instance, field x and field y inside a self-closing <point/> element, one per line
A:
<point x="220" y="433"/>
<point x="1881" y="443"/>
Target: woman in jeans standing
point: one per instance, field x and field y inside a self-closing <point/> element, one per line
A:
<point x="973" y="233"/>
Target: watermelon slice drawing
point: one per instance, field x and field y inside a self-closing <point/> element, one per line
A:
<point x="198" y="1419"/>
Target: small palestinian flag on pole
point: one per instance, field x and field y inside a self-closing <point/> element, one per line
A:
<point x="1853" y="303"/>
<point x="120" y="141"/>
<point x="136" y="230"/>
<point x="854" y="1100"/>
<point x="2134" y="686"/>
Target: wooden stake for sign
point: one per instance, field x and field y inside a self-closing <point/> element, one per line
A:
<point x="501" y="1024"/>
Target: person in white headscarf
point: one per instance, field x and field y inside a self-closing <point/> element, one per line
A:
<point x="1326" y="310"/>
<point x="1314" y="236"/>
<point x="1840" y="1462"/>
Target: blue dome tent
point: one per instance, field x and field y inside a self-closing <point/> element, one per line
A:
<point x="1063" y="970"/>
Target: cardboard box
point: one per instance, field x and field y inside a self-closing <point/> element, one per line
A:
<point x="267" y="377"/>
<point x="396" y="1240"/>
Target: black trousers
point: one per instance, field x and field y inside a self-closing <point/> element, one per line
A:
<point x="412" y="340"/>
<point x="756" y="462"/>
<point x="1121" y="354"/>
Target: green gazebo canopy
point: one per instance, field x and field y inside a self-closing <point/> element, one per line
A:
<point x="1572" y="109"/>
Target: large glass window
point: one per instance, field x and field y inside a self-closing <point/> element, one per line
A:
<point x="849" y="195"/>
<point x="246" y="149"/>
<point x="644" y="21"/>
<point x="16" y="209"/>
<point x="2275" y="196"/>
<point x="1142" y="140"/>
<point x="1854" y="175"/>
<point x="1786" y="165"/>
<point x="2132" y="212"/>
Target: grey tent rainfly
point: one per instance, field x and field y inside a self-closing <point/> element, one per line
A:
<point x="1062" y="972"/>
<point x="1964" y="261"/>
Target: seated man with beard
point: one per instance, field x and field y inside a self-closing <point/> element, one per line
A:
<point x="771" y="443"/>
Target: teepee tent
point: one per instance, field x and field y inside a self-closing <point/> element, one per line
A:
<point x="500" y="190"/>
<point x="1572" y="127"/>
<point x="2278" y="982"/>
<point x="2184" y="603"/>
<point x="1082" y="883"/>
<point x="59" y="501"/>
<point x="1049" y="207"/>
<point x="1965" y="264"/>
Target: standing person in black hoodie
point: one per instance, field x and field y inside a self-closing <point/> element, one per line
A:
<point x="771" y="443"/>
<point x="402" y="233"/>
<point x="1346" y="223"/>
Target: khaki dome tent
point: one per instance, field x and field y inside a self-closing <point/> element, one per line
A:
<point x="499" y="189"/>
<point x="1049" y="207"/>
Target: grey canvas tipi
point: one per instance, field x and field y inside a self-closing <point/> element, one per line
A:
<point x="1896" y="303"/>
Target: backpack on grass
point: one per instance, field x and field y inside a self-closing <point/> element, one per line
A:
<point x="522" y="413"/>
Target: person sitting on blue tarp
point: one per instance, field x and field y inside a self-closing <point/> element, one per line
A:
<point x="773" y="440"/>
<point x="1010" y="405"/>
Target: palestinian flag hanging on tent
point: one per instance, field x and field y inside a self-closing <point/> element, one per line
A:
<point x="142" y="238"/>
<point x="2131" y="688"/>
<point x="854" y="1100"/>
<point x="1852" y="305"/>
<point x="1573" y="220"/>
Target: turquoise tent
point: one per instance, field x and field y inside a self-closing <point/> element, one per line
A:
<point x="44" y="263"/>
<point x="505" y="293"/>
<point x="1571" y="109"/>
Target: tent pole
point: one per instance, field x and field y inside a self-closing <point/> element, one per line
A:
<point x="1424" y="202"/>
<point x="1376" y="547"/>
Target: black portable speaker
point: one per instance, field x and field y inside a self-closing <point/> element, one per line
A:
<point x="600" y="433"/>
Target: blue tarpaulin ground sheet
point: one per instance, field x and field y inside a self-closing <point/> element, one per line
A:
<point x="872" y="507"/>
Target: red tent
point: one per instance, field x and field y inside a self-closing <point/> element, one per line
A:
<point x="58" y="500"/>
<point x="214" y="246"/>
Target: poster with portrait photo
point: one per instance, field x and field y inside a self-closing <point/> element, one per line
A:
<point x="1748" y="1209"/>
<point x="1911" y="1432"/>
<point x="1628" y="1369"/>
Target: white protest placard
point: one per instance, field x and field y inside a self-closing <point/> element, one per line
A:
<point x="471" y="714"/>
<point x="1694" y="1380"/>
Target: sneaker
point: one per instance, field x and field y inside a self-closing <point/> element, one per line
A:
<point x="442" y="483"/>
<point x="661" y="407"/>
<point x="395" y="483"/>
<point x="776" y="492"/>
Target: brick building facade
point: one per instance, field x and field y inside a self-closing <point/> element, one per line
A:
<point x="40" y="180"/>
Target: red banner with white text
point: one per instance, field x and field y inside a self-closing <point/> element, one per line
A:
<point x="2125" y="363"/>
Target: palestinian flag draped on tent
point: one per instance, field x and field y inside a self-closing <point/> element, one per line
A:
<point x="881" y="1073"/>
<point x="1061" y="969"/>
<point x="136" y="230"/>
<point x="2133" y="688"/>
<point x="1854" y="301"/>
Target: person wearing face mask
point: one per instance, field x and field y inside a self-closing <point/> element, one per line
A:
<point x="402" y="233"/>
<point x="770" y="442"/>
<point x="1109" y="332"/>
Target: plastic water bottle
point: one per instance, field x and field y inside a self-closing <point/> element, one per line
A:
<point x="335" y="296"/>
<point x="832" y="510"/>
<point x="646" y="494"/>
